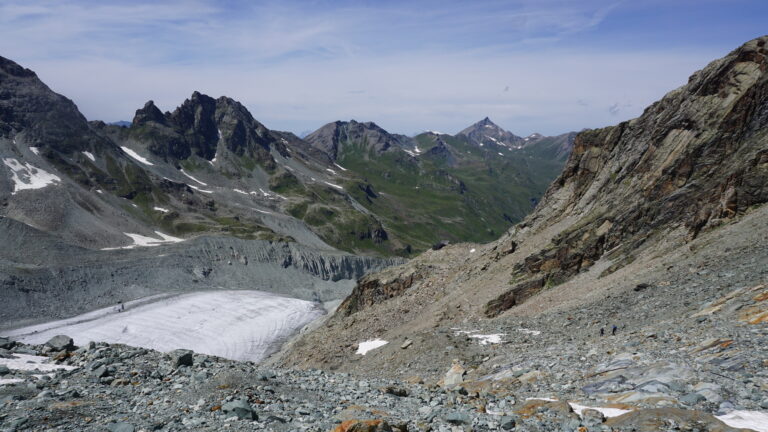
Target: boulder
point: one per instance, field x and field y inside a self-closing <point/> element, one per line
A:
<point x="4" y="370"/>
<point x="454" y="376"/>
<point x="6" y="343"/>
<point x="61" y="343"/>
<point x="181" y="357"/>
<point x="241" y="408"/>
<point x="121" y="427"/>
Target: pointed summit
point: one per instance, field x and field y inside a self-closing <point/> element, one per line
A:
<point x="486" y="132"/>
<point x="150" y="113"/>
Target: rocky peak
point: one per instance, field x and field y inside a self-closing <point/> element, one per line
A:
<point x="486" y="132"/>
<point x="49" y="120"/>
<point x="333" y="137"/>
<point x="150" y="113"/>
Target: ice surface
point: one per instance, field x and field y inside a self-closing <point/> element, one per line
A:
<point x="90" y="156"/>
<point x="136" y="156"/>
<point x="756" y="420"/>
<point x="239" y="325"/>
<point x="364" y="347"/>
<point x="26" y="176"/>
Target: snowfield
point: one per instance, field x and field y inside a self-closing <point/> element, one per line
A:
<point x="26" y="176"/>
<point x="144" y="241"/>
<point x="239" y="325"/>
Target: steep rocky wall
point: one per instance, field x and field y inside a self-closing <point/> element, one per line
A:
<point x="697" y="159"/>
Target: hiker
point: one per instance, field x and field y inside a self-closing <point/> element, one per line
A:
<point x="613" y="330"/>
<point x="602" y="331"/>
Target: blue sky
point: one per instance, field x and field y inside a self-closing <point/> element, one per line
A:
<point x="546" y="66"/>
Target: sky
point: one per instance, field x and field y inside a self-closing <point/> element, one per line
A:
<point x="547" y="66"/>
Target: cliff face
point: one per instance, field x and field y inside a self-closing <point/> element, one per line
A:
<point x="697" y="159"/>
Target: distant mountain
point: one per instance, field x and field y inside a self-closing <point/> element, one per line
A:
<point x="434" y="186"/>
<point x="122" y="123"/>
<point x="486" y="132"/>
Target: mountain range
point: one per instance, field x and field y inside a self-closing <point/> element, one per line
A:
<point x="210" y="167"/>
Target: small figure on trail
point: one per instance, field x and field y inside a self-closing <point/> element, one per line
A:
<point x="613" y="330"/>
<point x="602" y="331"/>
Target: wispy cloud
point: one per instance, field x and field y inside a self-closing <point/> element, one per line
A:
<point x="409" y="65"/>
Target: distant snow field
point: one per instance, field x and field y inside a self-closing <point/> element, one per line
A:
<point x="26" y="176"/>
<point x="239" y="325"/>
<point x="90" y="156"/>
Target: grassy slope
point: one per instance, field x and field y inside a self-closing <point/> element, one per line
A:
<point x="422" y="202"/>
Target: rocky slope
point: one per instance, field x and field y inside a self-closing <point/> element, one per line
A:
<point x="118" y="388"/>
<point x="656" y="225"/>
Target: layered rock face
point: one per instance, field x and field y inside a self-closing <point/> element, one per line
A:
<point x="696" y="158"/>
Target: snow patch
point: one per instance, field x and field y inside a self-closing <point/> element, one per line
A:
<point x="472" y="250"/>
<point x="579" y="409"/>
<point x="160" y="209"/>
<point x="241" y="191"/>
<point x="90" y="156"/>
<point x="186" y="174"/>
<point x="26" y="176"/>
<point x="755" y="420"/>
<point x="529" y="331"/>
<point x="198" y="189"/>
<point x="364" y="347"/>
<point x="144" y="241"/>
<point x="331" y="171"/>
<point x="6" y="381"/>
<point x="501" y="154"/>
<point x="28" y="362"/>
<point x="235" y="324"/>
<point x="410" y="152"/>
<point x="489" y="338"/>
<point x="34" y="150"/>
<point x="483" y="339"/>
<point x="334" y="185"/>
<point x="338" y="166"/>
<point x="136" y="156"/>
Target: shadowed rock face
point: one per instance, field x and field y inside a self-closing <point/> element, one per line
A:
<point x="49" y="120"/>
<point x="203" y="126"/>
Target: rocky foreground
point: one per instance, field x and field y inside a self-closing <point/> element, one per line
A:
<point x="58" y="386"/>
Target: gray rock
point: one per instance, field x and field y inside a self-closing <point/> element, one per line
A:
<point x="121" y="427"/>
<point x="4" y="370"/>
<point x="241" y="408"/>
<point x="100" y="372"/>
<point x="692" y="399"/>
<point x="508" y="423"/>
<point x="6" y="343"/>
<point x="181" y="357"/>
<point x="458" y="418"/>
<point x="61" y="343"/>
